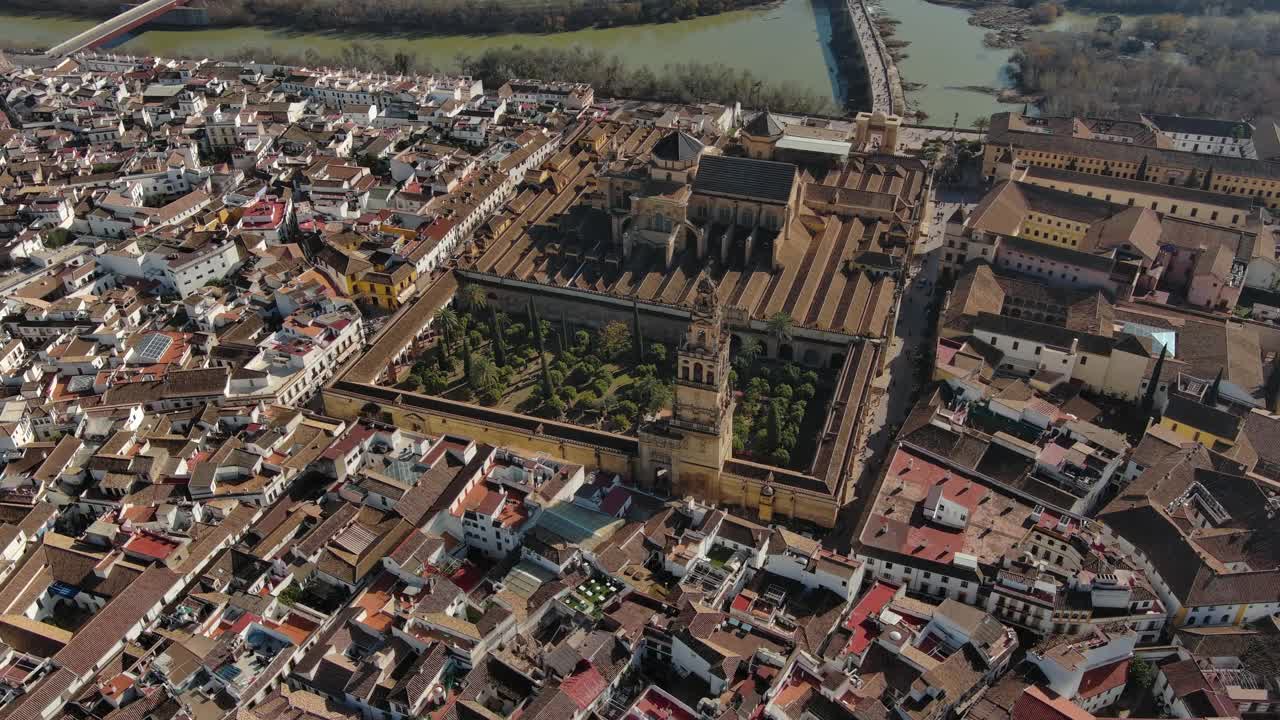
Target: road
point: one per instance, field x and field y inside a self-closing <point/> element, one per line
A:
<point x="913" y="137"/>
<point x="911" y="337"/>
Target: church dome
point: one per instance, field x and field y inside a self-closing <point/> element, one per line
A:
<point x="678" y="147"/>
<point x="764" y="124"/>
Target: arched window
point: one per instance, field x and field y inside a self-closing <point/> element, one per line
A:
<point x="711" y="378"/>
<point x="684" y="372"/>
<point x="697" y="372"/>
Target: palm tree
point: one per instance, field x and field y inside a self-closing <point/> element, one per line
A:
<point x="780" y="327"/>
<point x="474" y="297"/>
<point x="749" y="350"/>
<point x="449" y="324"/>
<point x="981" y="124"/>
<point x="486" y="373"/>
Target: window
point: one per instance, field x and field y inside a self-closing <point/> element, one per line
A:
<point x="1084" y="359"/>
<point x="1038" y="349"/>
<point x="1015" y="344"/>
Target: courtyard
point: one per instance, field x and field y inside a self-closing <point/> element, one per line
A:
<point x="608" y="378"/>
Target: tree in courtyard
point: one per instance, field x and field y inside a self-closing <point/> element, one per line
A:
<point x="773" y="426"/>
<point x="649" y="392"/>
<point x="474" y="297"/>
<point x="468" y="365"/>
<point x="637" y="338"/>
<point x="749" y="351"/>
<point x="449" y="324"/>
<point x="606" y="406"/>
<point x="1149" y="399"/>
<point x="781" y="327"/>
<point x="536" y="324"/>
<point x="658" y="353"/>
<point x="485" y="378"/>
<point x="788" y="374"/>
<point x="555" y="407"/>
<point x="613" y="339"/>
<point x="433" y="382"/>
<point x="1142" y="673"/>
<point x="498" y="341"/>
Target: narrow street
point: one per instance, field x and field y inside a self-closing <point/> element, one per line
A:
<point x="893" y="392"/>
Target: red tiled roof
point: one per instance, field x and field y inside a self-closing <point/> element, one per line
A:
<point x="150" y="546"/>
<point x="1036" y="704"/>
<point x="859" y="623"/>
<point x="584" y="686"/>
<point x="1101" y="679"/>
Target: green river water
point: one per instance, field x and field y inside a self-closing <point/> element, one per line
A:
<point x="787" y="42"/>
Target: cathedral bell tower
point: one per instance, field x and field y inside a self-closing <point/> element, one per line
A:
<point x="703" y="400"/>
<point x="684" y="453"/>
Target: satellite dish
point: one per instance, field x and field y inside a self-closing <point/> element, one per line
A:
<point x="895" y="636"/>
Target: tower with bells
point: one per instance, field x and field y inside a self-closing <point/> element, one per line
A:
<point x="685" y="452"/>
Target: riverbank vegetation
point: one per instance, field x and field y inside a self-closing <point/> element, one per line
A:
<point x="1218" y="67"/>
<point x="679" y="82"/>
<point x="437" y="17"/>
<point x="1184" y="7"/>
<point x="608" y="74"/>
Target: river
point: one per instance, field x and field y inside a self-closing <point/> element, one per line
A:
<point x="787" y="43"/>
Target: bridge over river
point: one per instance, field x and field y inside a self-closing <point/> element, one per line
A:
<point x="109" y="30"/>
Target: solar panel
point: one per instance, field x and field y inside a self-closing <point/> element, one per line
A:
<point x="154" y="346"/>
<point x="80" y="383"/>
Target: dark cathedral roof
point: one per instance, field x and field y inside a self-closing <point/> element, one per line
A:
<point x="745" y="177"/>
